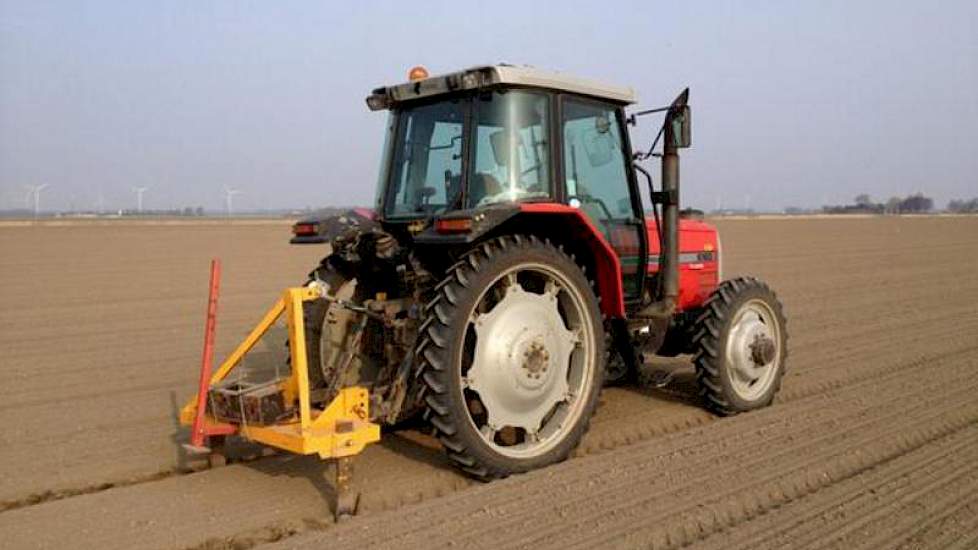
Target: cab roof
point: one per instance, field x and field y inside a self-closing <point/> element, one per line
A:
<point x="496" y="75"/>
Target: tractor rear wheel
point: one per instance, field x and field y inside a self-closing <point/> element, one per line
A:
<point x="326" y="330"/>
<point x="512" y="354"/>
<point x="740" y="345"/>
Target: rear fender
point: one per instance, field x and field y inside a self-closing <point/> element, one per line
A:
<point x="574" y="225"/>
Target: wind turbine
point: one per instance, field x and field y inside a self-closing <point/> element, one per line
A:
<point x="228" y="193"/>
<point x="99" y="201"/>
<point x="35" y="191"/>
<point x="139" y="198"/>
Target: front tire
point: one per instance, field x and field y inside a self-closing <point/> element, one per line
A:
<point x="512" y="357"/>
<point x="740" y="346"/>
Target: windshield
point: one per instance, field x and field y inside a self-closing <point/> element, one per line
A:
<point x="427" y="165"/>
<point x="508" y="149"/>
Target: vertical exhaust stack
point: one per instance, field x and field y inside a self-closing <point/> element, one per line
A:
<point x="677" y="136"/>
<point x="674" y="139"/>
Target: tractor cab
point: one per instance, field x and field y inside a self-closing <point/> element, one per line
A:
<point x="500" y="142"/>
<point x="501" y="136"/>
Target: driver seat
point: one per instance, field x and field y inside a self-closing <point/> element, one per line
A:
<point x="483" y="185"/>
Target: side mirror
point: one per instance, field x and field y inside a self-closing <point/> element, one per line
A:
<point x="679" y="129"/>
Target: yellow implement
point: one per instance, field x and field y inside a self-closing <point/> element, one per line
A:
<point x="339" y="431"/>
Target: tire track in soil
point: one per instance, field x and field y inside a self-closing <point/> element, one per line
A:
<point x="625" y="417"/>
<point x="598" y="440"/>
<point x="275" y="532"/>
<point x="633" y="427"/>
<point x="100" y="326"/>
<point x="958" y="530"/>
<point x="682" y="488"/>
<point x="376" y="498"/>
<point x="877" y="493"/>
<point x="813" y="449"/>
<point x="891" y="524"/>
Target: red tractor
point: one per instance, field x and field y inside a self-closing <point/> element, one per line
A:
<point x="510" y="269"/>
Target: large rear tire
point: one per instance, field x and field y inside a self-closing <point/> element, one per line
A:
<point x="512" y="353"/>
<point x="740" y="346"/>
<point x="326" y="332"/>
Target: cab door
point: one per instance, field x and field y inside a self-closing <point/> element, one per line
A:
<point x="598" y="180"/>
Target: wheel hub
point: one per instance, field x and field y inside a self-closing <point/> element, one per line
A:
<point x="521" y="360"/>
<point x="752" y="350"/>
<point x="762" y="350"/>
<point x="536" y="359"/>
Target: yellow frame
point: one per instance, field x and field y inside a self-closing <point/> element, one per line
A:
<point x="342" y="429"/>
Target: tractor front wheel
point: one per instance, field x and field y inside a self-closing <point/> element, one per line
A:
<point x="740" y="342"/>
<point x="512" y="356"/>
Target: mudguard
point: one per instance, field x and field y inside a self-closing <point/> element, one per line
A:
<point x="579" y="226"/>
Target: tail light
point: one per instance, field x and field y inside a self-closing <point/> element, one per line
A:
<point x="305" y="229"/>
<point x="453" y="225"/>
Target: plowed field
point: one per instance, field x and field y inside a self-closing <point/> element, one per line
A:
<point x="873" y="441"/>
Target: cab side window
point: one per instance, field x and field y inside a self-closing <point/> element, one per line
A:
<point x="597" y="180"/>
<point x="594" y="162"/>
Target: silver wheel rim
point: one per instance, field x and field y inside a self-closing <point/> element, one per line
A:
<point x="532" y="362"/>
<point x="753" y="350"/>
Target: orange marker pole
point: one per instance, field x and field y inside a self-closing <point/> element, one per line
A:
<point x="197" y="434"/>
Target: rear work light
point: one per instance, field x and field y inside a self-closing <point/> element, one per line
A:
<point x="453" y="225"/>
<point x="305" y="229"/>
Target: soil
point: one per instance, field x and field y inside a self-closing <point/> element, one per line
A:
<point x="873" y="441"/>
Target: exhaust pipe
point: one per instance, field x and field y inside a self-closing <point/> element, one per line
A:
<point x="677" y="136"/>
<point x="669" y="255"/>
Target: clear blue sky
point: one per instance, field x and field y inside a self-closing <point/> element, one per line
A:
<point x="794" y="103"/>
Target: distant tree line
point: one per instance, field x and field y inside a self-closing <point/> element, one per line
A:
<point x="864" y="204"/>
<point x="961" y="206"/>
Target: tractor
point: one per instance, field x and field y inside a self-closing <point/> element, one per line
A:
<point x="509" y="269"/>
<point x="506" y="273"/>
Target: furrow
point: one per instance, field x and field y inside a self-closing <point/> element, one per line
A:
<point x="850" y="505"/>
<point x="631" y="469"/>
<point x="775" y="467"/>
